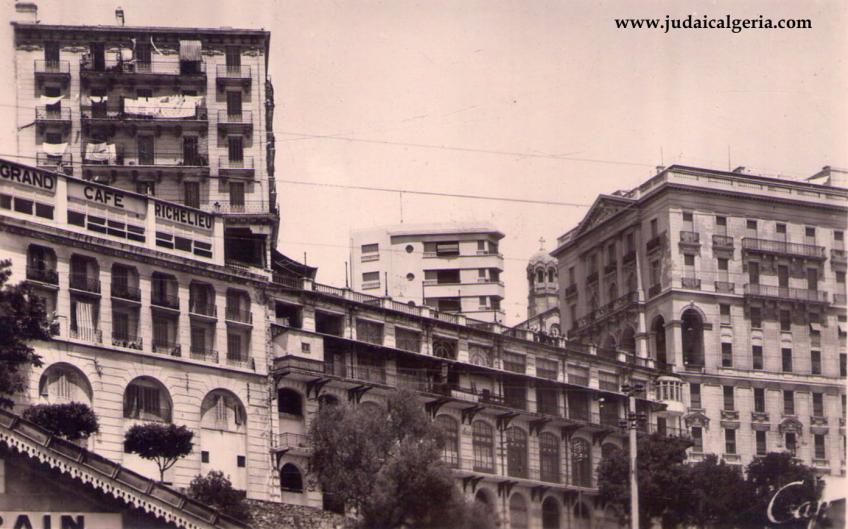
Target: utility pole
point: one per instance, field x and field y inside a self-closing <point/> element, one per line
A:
<point x="632" y="423"/>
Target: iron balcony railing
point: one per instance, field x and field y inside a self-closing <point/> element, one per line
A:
<point x="723" y="241"/>
<point x="50" y="114"/>
<point x="117" y="114"/>
<point x="245" y="164"/>
<point x="169" y="301"/>
<point x="243" y="118"/>
<point x="52" y="161"/>
<point x="592" y="278"/>
<point x="203" y="308"/>
<point x="725" y="287"/>
<point x="167" y="348"/>
<point x="87" y="334"/>
<point x="123" y="291"/>
<point x="656" y="242"/>
<point x="570" y="290"/>
<point x="42" y="275"/>
<point x="838" y="256"/>
<point x="241" y="361"/>
<point x="787" y="293"/>
<point x="290" y="441"/>
<point x="170" y="68"/>
<point x="84" y="282"/>
<point x="128" y="342"/>
<point x="239" y="315"/>
<point x="57" y="68"/>
<point x="690" y="237"/>
<point x="204" y="354"/>
<point x="239" y="72"/>
<point x="811" y="251"/>
<point x="690" y="282"/>
<point x="629" y="256"/>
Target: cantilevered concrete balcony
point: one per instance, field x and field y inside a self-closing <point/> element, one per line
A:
<point x="785" y="293"/>
<point x="790" y="249"/>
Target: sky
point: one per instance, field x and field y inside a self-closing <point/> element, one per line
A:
<point x="536" y="100"/>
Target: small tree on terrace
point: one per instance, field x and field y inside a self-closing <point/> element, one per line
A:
<point x="72" y="421"/>
<point x="22" y="318"/>
<point x="160" y="443"/>
<point x="215" y="490"/>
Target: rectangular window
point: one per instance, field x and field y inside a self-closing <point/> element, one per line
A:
<point x="761" y="443"/>
<point x="654" y="228"/>
<point x="751" y="225"/>
<point x="728" y="398"/>
<point x="146" y="154"/>
<point x="726" y="354"/>
<point x="695" y="395"/>
<point x="370" y="277"/>
<point x="689" y="259"/>
<point x="204" y="456"/>
<point x="791" y="443"/>
<point x="241" y="461"/>
<point x="759" y="400"/>
<point x="843" y="365"/>
<point x="819" y="446"/>
<point x="234" y="103"/>
<point x="546" y="368"/>
<point x="578" y="375"/>
<point x="234" y="346"/>
<point x="51" y="54"/>
<point x="514" y="362"/>
<point x="838" y="235"/>
<point x="729" y="441"/>
<point x="810" y="231"/>
<point x="818" y="404"/>
<point x="235" y="148"/>
<point x="757" y="354"/>
<point x="785" y="321"/>
<point x="786" y="357"/>
<point x="724" y="312"/>
<point x="697" y="439"/>
<point x="756" y="318"/>
<point x="571" y="275"/>
<point x="687" y="216"/>
<point x="754" y="273"/>
<point x="233" y="56"/>
<point x="840" y="277"/>
<point x="815" y="362"/>
<point x="192" y="194"/>
<point x="722" y="264"/>
<point x="370" y="248"/>
<point x="236" y="196"/>
<point x="447" y="249"/>
<point x="781" y="228"/>
<point x="788" y="402"/>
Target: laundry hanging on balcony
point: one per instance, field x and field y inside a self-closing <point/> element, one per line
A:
<point x="176" y="106"/>
<point x="50" y="100"/>
<point x="101" y="152"/>
<point x="190" y="50"/>
<point x="98" y="99"/>
<point x="54" y="149"/>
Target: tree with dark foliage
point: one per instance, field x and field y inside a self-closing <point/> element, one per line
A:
<point x="72" y="421"/>
<point x="387" y="467"/>
<point x="163" y="444"/>
<point x="716" y="495"/>
<point x="22" y="319"/>
<point x="216" y="491"/>
<point x="660" y="473"/>
<point x="767" y="474"/>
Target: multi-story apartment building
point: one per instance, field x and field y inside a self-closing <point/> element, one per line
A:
<point x="449" y="267"/>
<point x="735" y="285"/>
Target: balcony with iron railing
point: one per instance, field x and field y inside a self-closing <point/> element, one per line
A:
<point x="201" y="308"/>
<point x="235" y="121"/>
<point x="136" y="70"/>
<point x="124" y="160"/>
<point x="808" y="251"/>
<point x="571" y="291"/>
<point x="50" y="114"/>
<point x="84" y="282"/>
<point x="243" y="207"/>
<point x="690" y="238"/>
<point x="241" y="361"/>
<point x="654" y="290"/>
<point x="629" y="257"/>
<point x="243" y="167"/>
<point x="290" y="441"/>
<point x="203" y="354"/>
<point x="54" y="161"/>
<point x="125" y="292"/>
<point x="52" y="69"/>
<point x="164" y="300"/>
<point x="86" y="334"/>
<point x="725" y="287"/>
<point x="656" y="243"/>
<point x="42" y="275"/>
<point x="127" y="341"/>
<point x="237" y="74"/>
<point x="723" y="242"/>
<point x="239" y="315"/>
<point x="785" y="293"/>
<point x="838" y="257"/>
<point x="96" y="115"/>
<point x="692" y="283"/>
<point x="167" y="348"/>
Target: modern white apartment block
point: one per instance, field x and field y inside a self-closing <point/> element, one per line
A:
<point x="450" y="267"/>
<point x="734" y="284"/>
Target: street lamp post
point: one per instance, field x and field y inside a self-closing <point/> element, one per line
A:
<point x="632" y="423"/>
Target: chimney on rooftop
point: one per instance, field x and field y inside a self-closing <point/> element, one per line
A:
<point x="739" y="170"/>
<point x="26" y="12"/>
<point x="660" y="168"/>
<point x="119" y="16"/>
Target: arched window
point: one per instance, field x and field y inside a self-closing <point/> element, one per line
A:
<point x="61" y="383"/>
<point x="658" y="329"/>
<point x="483" y="443"/>
<point x="551" y="275"/>
<point x="291" y="479"/>
<point x="550" y="514"/>
<point x="540" y="276"/>
<point x="517" y="512"/>
<point x="41" y="265"/>
<point x="221" y="410"/>
<point x="693" y="338"/>
<point x="549" y="457"/>
<point x="628" y="340"/>
<point x="147" y="399"/>
<point x="581" y="463"/>
<point x="450" y="427"/>
<point x="327" y="400"/>
<point x="289" y="402"/>
<point x="610" y="348"/>
<point x="516" y="452"/>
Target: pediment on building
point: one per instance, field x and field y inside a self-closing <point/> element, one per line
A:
<point x="696" y="418"/>
<point x="791" y="425"/>
<point x="605" y="206"/>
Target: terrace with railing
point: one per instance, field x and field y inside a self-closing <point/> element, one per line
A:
<point x="809" y="251"/>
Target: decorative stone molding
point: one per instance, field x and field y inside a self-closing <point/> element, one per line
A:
<point x="790" y="424"/>
<point x="696" y="418"/>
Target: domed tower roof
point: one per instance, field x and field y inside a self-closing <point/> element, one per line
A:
<point x="541" y="257"/>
